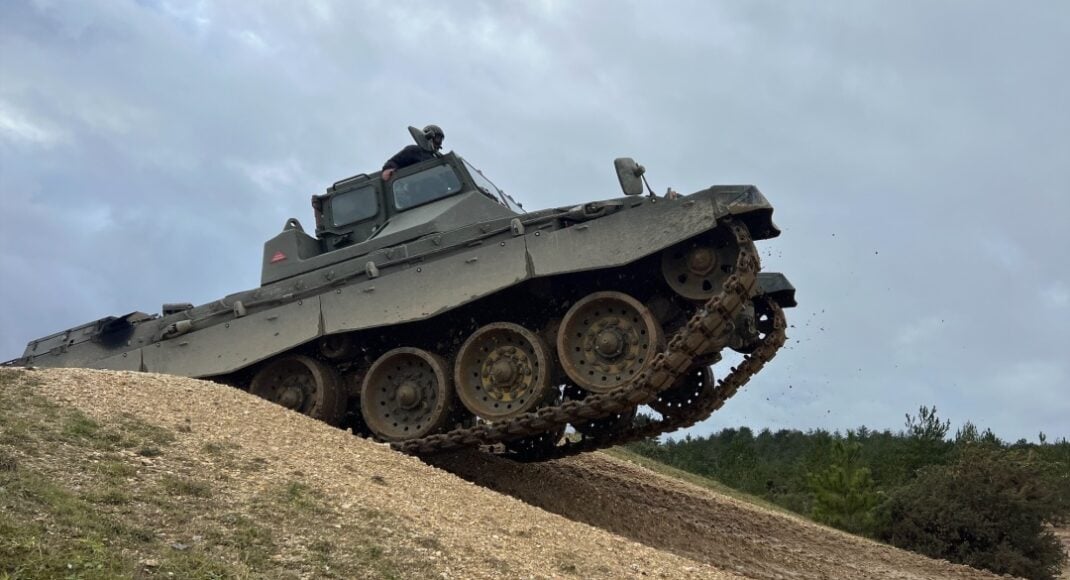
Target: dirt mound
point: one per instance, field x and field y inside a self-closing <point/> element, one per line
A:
<point x="229" y="476"/>
<point x="694" y="522"/>
<point x="429" y="521"/>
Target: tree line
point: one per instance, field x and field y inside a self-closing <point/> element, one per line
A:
<point x="969" y="497"/>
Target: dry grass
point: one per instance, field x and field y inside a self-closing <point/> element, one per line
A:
<point x="89" y="499"/>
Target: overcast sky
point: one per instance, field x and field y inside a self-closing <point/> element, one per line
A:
<point x="916" y="154"/>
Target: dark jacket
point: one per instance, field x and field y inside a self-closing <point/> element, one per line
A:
<point x="410" y="155"/>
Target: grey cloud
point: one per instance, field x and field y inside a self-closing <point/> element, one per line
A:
<point x="915" y="153"/>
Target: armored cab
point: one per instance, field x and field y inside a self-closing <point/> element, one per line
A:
<point x="432" y="311"/>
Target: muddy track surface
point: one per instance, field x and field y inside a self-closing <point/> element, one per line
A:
<point x="692" y="521"/>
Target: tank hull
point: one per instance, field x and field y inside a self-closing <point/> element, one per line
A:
<point x="415" y="281"/>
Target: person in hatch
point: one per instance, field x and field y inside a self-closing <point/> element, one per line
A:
<point x="412" y="154"/>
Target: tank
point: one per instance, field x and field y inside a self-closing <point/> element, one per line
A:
<point x="431" y="311"/>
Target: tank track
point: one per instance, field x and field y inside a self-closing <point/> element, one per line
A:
<point x="685" y="353"/>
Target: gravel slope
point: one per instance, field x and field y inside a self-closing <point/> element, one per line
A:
<point x="623" y="521"/>
<point x="695" y="522"/>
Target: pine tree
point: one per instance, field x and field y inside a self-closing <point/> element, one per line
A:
<point x="844" y="494"/>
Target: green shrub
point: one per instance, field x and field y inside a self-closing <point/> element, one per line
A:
<point x="844" y="494"/>
<point x="988" y="509"/>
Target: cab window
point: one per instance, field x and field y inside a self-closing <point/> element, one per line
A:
<point x="354" y="206"/>
<point x="426" y="186"/>
<point x="487" y="186"/>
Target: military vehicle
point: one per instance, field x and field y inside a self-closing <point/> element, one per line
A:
<point x="433" y="312"/>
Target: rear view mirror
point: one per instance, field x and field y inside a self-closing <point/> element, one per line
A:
<point x="630" y="175"/>
<point x="421" y="140"/>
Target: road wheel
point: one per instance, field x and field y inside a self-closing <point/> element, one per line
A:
<point x="303" y="384"/>
<point x="407" y="394"/>
<point x="699" y="268"/>
<point x="606" y="339"/>
<point x="502" y="370"/>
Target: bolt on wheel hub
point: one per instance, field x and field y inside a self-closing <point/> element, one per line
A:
<point x="408" y="395"/>
<point x="609" y="343"/>
<point x="502" y="372"/>
<point x="291" y="397"/>
<point x="505" y="373"/>
<point x="701" y="261"/>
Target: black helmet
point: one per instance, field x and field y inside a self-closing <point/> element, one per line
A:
<point x="434" y="132"/>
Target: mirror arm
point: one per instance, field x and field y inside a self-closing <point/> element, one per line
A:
<point x="649" y="191"/>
